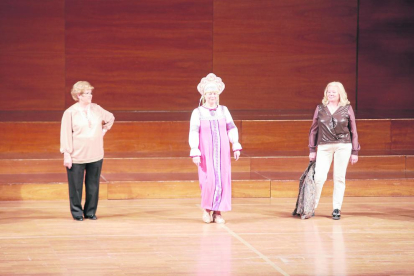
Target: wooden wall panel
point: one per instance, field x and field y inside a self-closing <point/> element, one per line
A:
<point x="298" y="164"/>
<point x="124" y="137"/>
<point x="182" y="189"/>
<point x="281" y="54"/>
<point x="293" y="135"/>
<point x="371" y="187"/>
<point x="148" y="136"/>
<point x="275" y="135"/>
<point x="250" y="188"/>
<point x="43" y="137"/>
<point x="279" y="164"/>
<point x="150" y="55"/>
<point x="380" y="187"/>
<point x="374" y="134"/>
<point x="386" y="54"/>
<point x="31" y="166"/>
<point x="409" y="164"/>
<point x="402" y="134"/>
<point x="139" y="55"/>
<point x="379" y="164"/>
<point x="161" y="165"/>
<point x="30" y="137"/>
<point x="153" y="189"/>
<point x="43" y="191"/>
<point x="32" y="55"/>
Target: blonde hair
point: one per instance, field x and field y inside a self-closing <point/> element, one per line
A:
<point x="79" y="88"/>
<point x="343" y="97"/>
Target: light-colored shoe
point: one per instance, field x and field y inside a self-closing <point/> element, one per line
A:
<point x="218" y="219"/>
<point x="206" y="217"/>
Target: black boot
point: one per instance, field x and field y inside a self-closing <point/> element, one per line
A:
<point x="336" y="214"/>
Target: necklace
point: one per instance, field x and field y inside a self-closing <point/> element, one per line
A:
<point x="211" y="110"/>
<point x="86" y="114"/>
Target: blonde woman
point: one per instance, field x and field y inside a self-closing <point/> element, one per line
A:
<point x="211" y="130"/>
<point x="334" y="133"/>
<point x="81" y="141"/>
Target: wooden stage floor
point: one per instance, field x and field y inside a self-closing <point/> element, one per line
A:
<point x="167" y="237"/>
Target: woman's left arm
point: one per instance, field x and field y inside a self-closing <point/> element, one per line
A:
<point x="354" y="136"/>
<point x="232" y="133"/>
<point x="108" y="119"/>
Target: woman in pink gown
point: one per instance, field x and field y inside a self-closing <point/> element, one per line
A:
<point x="211" y="130"/>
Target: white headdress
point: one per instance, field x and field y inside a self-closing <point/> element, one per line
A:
<point x="211" y="83"/>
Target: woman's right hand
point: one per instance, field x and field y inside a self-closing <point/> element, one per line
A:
<point x="312" y="156"/>
<point x="197" y="160"/>
<point x="67" y="160"/>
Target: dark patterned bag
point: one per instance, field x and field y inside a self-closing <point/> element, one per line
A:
<point x="305" y="204"/>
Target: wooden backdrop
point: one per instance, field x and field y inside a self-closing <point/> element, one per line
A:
<point x="32" y="54"/>
<point x="386" y="55"/>
<point x="150" y="55"/>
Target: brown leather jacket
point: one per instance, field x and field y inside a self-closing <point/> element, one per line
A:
<point x="339" y="127"/>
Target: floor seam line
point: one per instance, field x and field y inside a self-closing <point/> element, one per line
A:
<point x="262" y="256"/>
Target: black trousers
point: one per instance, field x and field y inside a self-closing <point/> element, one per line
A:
<point x="76" y="174"/>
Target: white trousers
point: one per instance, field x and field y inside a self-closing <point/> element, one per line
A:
<point x="341" y="152"/>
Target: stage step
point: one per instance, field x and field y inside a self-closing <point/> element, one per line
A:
<point x="42" y="176"/>
<point x="167" y="136"/>
<point x="53" y="186"/>
<point x="354" y="187"/>
<point x="150" y="163"/>
<point x="149" y="159"/>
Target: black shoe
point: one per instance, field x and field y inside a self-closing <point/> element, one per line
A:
<point x="336" y="214"/>
<point x="78" y="218"/>
<point x="93" y="217"/>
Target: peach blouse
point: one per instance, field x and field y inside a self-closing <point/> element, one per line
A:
<point x="81" y="133"/>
